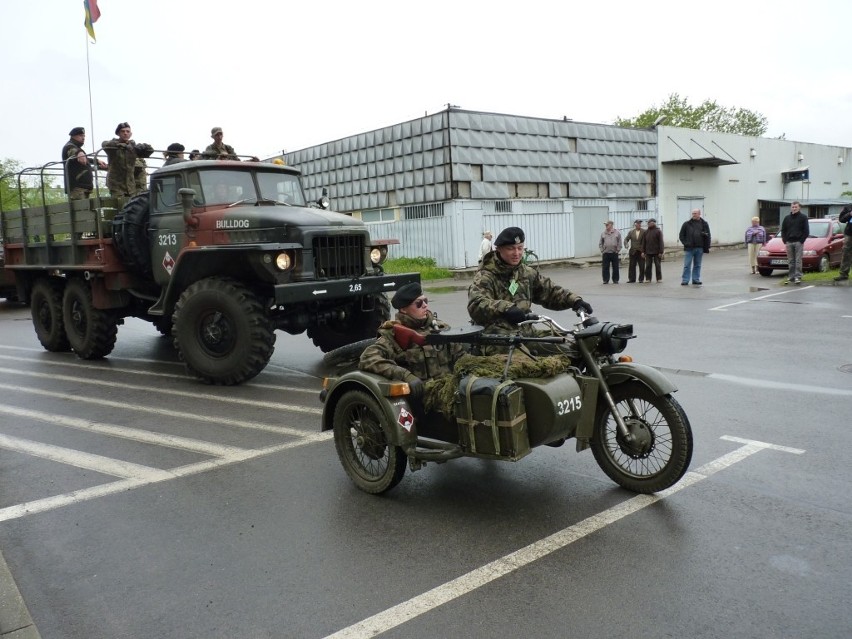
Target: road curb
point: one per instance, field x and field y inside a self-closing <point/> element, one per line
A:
<point x="15" y="620"/>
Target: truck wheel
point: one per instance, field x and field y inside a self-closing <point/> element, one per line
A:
<point x="46" y="308"/>
<point x="91" y="331"/>
<point x="347" y="354"/>
<point x="221" y="331"/>
<point x="358" y="325"/>
<point x="130" y="234"/>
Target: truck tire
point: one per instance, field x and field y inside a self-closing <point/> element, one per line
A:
<point x="46" y="309"/>
<point x="358" y="325"/>
<point x="91" y="331"/>
<point x="130" y="234"/>
<point x="222" y="332"/>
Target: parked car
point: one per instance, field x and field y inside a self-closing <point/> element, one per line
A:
<point x="822" y="249"/>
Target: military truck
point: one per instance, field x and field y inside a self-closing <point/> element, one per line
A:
<point x="217" y="254"/>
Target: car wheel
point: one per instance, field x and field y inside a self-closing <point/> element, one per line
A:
<point x="766" y="272"/>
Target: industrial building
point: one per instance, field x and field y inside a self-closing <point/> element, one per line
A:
<point x="437" y="182"/>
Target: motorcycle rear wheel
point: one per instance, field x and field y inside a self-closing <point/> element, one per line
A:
<point x="662" y="447"/>
<point x="374" y="465"/>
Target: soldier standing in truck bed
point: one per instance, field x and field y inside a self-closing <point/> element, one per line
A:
<point x="126" y="177"/>
<point x="218" y="150"/>
<point x="79" y="180"/>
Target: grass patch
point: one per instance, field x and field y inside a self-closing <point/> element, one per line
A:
<point x="424" y="265"/>
<point x="828" y="276"/>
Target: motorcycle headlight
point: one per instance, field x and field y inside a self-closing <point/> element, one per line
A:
<point x="614" y="338"/>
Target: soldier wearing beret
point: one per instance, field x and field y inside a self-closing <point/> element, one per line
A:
<point x="79" y="178"/>
<point x="127" y="175"/>
<point x="504" y="289"/>
<point x="174" y="154"/>
<point x="406" y="361"/>
<point x="218" y="150"/>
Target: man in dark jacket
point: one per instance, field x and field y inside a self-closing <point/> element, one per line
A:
<point x="695" y="237"/>
<point x="653" y="247"/>
<point x="846" y="260"/>
<point x="794" y="231"/>
<point x="79" y="180"/>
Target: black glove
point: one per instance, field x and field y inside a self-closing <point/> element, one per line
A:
<point x="415" y="386"/>
<point x="582" y="305"/>
<point x="514" y="315"/>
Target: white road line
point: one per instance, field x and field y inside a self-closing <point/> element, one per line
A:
<point x="416" y="606"/>
<point x="86" y="494"/>
<point x="725" y="307"/>
<point x="160" y="412"/>
<point x="762" y="383"/>
<point x="80" y="459"/>
<point x="76" y="363"/>
<point x="293" y="408"/>
<point x="124" y="432"/>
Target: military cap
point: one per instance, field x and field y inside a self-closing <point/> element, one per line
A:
<point x="637" y="221"/>
<point x="650" y="219"/>
<point x="406" y="295"/>
<point x="120" y="126"/>
<point x="215" y="130"/>
<point x="176" y="147"/>
<point x="511" y="235"/>
<point x="77" y="130"/>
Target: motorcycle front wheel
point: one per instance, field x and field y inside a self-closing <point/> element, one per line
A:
<point x="373" y="464"/>
<point x="660" y="448"/>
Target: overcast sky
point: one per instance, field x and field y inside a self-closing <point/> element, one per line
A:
<point x="280" y="75"/>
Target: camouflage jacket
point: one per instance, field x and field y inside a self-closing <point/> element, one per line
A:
<point x="123" y="159"/>
<point x="219" y="152"/>
<point x="497" y="286"/>
<point x="387" y="358"/>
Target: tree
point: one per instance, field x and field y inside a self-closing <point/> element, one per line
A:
<point x="31" y="188"/>
<point x="707" y="116"/>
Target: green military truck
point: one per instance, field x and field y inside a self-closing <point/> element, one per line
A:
<point x="217" y="254"/>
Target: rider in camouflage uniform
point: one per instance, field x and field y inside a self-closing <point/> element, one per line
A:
<point x="127" y="175"/>
<point x="410" y="363"/>
<point x="504" y="288"/>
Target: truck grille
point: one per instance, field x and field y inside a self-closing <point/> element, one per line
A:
<point x="338" y="256"/>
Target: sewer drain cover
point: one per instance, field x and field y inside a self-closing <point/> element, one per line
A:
<point x="846" y="368"/>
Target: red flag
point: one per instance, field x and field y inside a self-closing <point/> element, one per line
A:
<point x="92" y="15"/>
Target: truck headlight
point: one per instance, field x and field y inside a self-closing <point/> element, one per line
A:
<point x="283" y="261"/>
<point x="378" y="254"/>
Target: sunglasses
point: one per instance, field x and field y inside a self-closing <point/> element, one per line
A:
<point x="421" y="303"/>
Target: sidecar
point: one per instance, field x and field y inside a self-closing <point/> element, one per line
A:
<point x="378" y="428"/>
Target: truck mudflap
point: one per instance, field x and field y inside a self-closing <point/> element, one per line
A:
<point x="295" y="292"/>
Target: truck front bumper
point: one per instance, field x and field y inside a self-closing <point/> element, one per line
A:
<point x="343" y="290"/>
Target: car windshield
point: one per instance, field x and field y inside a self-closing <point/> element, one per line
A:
<point x="818" y="228"/>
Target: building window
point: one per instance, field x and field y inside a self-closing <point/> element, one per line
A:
<point x="642" y="205"/>
<point x="423" y="211"/>
<point x="502" y="206"/>
<point x="378" y="215"/>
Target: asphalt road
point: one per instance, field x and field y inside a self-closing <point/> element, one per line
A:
<point x="136" y="502"/>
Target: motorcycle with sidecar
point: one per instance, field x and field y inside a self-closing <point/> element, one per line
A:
<point x="625" y="412"/>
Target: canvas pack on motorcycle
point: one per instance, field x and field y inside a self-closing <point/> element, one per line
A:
<point x="492" y="418"/>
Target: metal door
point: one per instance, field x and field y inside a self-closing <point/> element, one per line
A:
<point x="588" y="226"/>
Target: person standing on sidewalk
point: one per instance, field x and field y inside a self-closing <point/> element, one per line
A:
<point x="846" y="260"/>
<point x="695" y="237"/>
<point x="794" y="231"/>
<point x="633" y="242"/>
<point x="653" y="247"/>
<point x="610" y="244"/>
<point x="755" y="237"/>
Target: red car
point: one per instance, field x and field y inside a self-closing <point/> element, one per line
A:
<point x="822" y="249"/>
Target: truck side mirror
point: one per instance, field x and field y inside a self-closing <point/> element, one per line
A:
<point x="187" y="196"/>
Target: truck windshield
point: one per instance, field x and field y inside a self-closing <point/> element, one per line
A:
<point x="281" y="187"/>
<point x="226" y="187"/>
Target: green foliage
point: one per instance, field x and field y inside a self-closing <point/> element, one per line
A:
<point x="846" y="194"/>
<point x="707" y="116"/>
<point x="34" y="190"/>
<point x="426" y="266"/>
